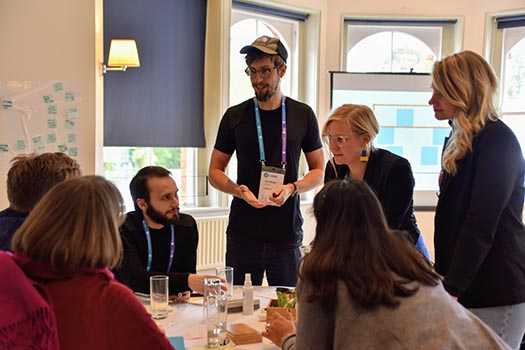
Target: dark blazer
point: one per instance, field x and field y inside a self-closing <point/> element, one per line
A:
<point x="133" y="272"/>
<point x="391" y="179"/>
<point x="479" y="236"/>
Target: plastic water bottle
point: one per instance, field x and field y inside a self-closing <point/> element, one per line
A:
<point x="247" y="295"/>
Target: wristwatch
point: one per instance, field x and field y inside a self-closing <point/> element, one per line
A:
<point x="295" y="191"/>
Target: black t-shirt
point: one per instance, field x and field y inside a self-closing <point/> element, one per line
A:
<point x="238" y="133"/>
<point x="133" y="269"/>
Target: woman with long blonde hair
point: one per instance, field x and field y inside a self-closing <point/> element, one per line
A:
<point x="479" y="233"/>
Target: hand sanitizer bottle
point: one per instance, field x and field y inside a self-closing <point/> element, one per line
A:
<point x="247" y="295"/>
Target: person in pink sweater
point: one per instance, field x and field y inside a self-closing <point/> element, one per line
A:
<point x="67" y="245"/>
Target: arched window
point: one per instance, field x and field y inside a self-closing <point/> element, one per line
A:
<point x="514" y="77"/>
<point x="513" y="81"/>
<point x="246" y="27"/>
<point x="244" y="30"/>
<point x="399" y="100"/>
<point x="390" y="51"/>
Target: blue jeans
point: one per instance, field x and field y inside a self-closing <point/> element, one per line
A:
<point x="506" y="321"/>
<point x="280" y="261"/>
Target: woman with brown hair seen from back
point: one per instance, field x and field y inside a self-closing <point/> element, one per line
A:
<point x="479" y="235"/>
<point x="67" y="244"/>
<point x="363" y="286"/>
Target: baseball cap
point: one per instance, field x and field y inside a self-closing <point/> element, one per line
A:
<point x="268" y="45"/>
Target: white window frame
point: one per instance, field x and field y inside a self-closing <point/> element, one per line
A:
<point x="451" y="41"/>
<point x="495" y="52"/>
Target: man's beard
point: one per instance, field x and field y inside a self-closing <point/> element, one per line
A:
<point x="265" y="96"/>
<point x="158" y="217"/>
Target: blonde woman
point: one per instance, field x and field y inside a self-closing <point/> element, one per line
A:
<point x="67" y="244"/>
<point x="349" y="133"/>
<point x="479" y="233"/>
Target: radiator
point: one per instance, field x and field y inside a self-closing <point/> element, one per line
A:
<point x="212" y="242"/>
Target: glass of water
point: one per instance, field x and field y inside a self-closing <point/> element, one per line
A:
<point x="226" y="273"/>
<point x="216" y="311"/>
<point x="159" y="294"/>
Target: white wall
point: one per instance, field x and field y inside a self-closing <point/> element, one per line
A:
<point x="52" y="40"/>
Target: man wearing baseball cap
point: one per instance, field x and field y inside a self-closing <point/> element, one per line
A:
<point x="268" y="133"/>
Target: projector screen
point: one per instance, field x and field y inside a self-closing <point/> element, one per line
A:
<point x="407" y="124"/>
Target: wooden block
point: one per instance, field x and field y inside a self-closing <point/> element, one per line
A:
<point x="241" y="333"/>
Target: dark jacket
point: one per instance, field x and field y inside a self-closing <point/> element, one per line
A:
<point x="391" y="179"/>
<point x="133" y="269"/>
<point x="10" y="221"/>
<point x="479" y="235"/>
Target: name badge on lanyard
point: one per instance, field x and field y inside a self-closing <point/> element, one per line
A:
<point x="150" y="249"/>
<point x="272" y="178"/>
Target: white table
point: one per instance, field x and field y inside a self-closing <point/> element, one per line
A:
<point x="187" y="320"/>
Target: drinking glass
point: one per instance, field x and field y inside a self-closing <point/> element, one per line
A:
<point x="159" y="294"/>
<point x="216" y="311"/>
<point x="227" y="274"/>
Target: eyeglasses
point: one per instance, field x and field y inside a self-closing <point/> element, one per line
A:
<point x="339" y="140"/>
<point x="264" y="72"/>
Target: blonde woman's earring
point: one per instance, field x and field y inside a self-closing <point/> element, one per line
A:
<point x="364" y="156"/>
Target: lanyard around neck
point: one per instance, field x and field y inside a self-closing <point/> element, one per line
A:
<point x="150" y="250"/>
<point x="260" y="136"/>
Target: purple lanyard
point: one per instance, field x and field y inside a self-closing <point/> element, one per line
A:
<point x="283" y="132"/>
<point x="150" y="250"/>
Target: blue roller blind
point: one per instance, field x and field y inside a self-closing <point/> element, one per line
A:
<point x="393" y="22"/>
<point x="267" y="10"/>
<point x="159" y="104"/>
<point x="510" y="21"/>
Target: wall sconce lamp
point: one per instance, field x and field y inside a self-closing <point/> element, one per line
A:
<point x="122" y="55"/>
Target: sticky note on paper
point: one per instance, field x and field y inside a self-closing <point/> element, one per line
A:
<point x="6" y="104"/>
<point x="4" y="148"/>
<point x="72" y="112"/>
<point x="20" y="145"/>
<point x="62" y="148"/>
<point x="52" y="109"/>
<point x="37" y="140"/>
<point x="58" y="87"/>
<point x="51" y="138"/>
<point x="69" y="124"/>
<point x="52" y="123"/>
<point x="405" y="117"/>
<point x="429" y="155"/>
<point x="48" y="99"/>
<point x="71" y="138"/>
<point x="72" y="151"/>
<point x="70" y="96"/>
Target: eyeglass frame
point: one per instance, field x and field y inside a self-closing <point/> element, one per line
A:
<point x="264" y="72"/>
<point x="345" y="138"/>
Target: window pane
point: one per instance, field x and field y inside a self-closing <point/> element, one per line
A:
<point x="392" y="49"/>
<point x="122" y="163"/>
<point x="245" y="29"/>
<point x="410" y="54"/>
<point x="407" y="124"/>
<point x="513" y="85"/>
<point x="244" y="32"/>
